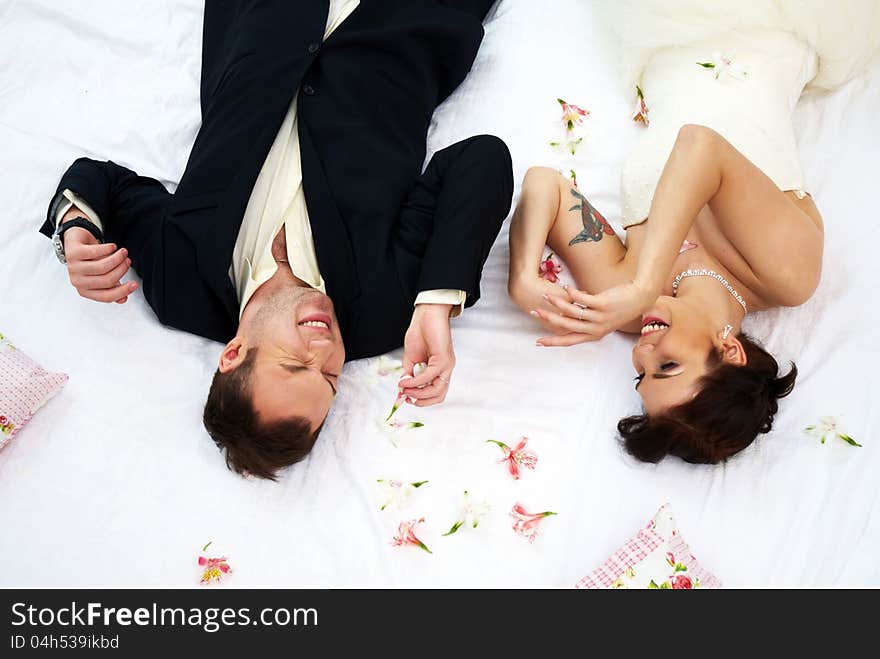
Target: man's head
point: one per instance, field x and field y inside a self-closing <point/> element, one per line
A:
<point x="276" y="380"/>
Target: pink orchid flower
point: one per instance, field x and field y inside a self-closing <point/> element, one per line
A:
<point x="213" y="569"/>
<point x="550" y="268"/>
<point x="517" y="457"/>
<point x="572" y="115"/>
<point x="406" y="535"/>
<point x="641" y="114"/>
<point x="526" y="523"/>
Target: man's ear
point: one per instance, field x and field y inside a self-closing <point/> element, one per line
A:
<point x="731" y="350"/>
<point x="233" y="355"/>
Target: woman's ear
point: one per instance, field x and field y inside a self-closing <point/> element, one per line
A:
<point x="731" y="350"/>
<point x="233" y="355"/>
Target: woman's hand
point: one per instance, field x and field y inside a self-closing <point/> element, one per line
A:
<point x="590" y="317"/>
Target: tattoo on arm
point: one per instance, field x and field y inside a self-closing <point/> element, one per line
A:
<point x="595" y="226"/>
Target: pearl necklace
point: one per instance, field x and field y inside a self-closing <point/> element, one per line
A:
<point x="701" y="272"/>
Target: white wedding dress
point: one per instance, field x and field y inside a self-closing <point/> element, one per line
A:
<point x="766" y="52"/>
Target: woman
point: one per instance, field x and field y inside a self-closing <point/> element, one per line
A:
<point x="718" y="224"/>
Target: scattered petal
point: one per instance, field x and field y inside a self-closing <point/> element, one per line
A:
<point x="568" y="145"/>
<point x="401" y="399"/>
<point x="213" y="569"/>
<point x="725" y="66"/>
<point x="471" y="513"/>
<point x="550" y="268"/>
<point x="526" y="523"/>
<point x="395" y="493"/>
<point x="829" y="426"/>
<point x="406" y="535"/>
<point x="640" y="116"/>
<point x="517" y="457"/>
<point x="392" y="429"/>
<point x="572" y="115"/>
<point x="385" y="366"/>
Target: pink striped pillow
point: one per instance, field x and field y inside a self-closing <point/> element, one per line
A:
<point x="24" y="387"/>
<point x="657" y="557"/>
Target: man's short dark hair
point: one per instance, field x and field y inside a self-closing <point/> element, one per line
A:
<point x="234" y="425"/>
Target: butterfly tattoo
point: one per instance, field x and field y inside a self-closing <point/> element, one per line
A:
<point x="595" y="226"/>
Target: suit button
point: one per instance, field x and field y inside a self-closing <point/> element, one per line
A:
<point x="308" y="90"/>
<point x="313" y="48"/>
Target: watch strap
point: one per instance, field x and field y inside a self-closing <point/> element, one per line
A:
<point x="63" y="227"/>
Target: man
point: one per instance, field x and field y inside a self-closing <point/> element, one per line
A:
<point x="303" y="231"/>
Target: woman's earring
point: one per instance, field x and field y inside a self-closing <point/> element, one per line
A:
<point x="727" y="330"/>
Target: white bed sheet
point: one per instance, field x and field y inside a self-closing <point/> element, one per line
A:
<point x="116" y="483"/>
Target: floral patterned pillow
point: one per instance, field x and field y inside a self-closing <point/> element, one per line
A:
<point x="656" y="558"/>
<point x="24" y="387"/>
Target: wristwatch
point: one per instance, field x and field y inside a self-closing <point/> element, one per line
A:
<point x="79" y="221"/>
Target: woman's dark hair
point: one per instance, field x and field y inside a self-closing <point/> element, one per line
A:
<point x="252" y="447"/>
<point x="734" y="404"/>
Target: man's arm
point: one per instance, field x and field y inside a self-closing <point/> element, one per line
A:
<point x="135" y="214"/>
<point x="466" y="190"/>
<point x="473" y="184"/>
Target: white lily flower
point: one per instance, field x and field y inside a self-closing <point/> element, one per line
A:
<point x="395" y="493"/>
<point x="829" y="426"/>
<point x="385" y="366"/>
<point x="471" y="513"/>
<point x="725" y="66"/>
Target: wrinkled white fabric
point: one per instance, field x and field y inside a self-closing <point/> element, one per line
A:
<point x="115" y="482"/>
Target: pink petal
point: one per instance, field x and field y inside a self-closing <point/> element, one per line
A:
<point x="513" y="467"/>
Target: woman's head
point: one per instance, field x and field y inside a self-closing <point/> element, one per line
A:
<point x="680" y="342"/>
<point x="723" y="399"/>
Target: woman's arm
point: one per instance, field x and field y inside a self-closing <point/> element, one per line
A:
<point x="552" y="211"/>
<point x="691" y="177"/>
<point x="778" y="242"/>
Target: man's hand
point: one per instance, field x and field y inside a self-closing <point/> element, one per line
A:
<point x="428" y="341"/>
<point x="95" y="269"/>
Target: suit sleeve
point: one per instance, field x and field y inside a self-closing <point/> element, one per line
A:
<point x="473" y="186"/>
<point x="134" y="211"/>
<point x="478" y="8"/>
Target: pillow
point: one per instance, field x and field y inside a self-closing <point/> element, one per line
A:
<point x="657" y="558"/>
<point x="24" y="387"/>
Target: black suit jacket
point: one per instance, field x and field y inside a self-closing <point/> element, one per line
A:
<point x="366" y="99"/>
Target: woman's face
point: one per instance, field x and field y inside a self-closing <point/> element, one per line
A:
<point x="671" y="354"/>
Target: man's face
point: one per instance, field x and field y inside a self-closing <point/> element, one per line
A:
<point x="299" y="358"/>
